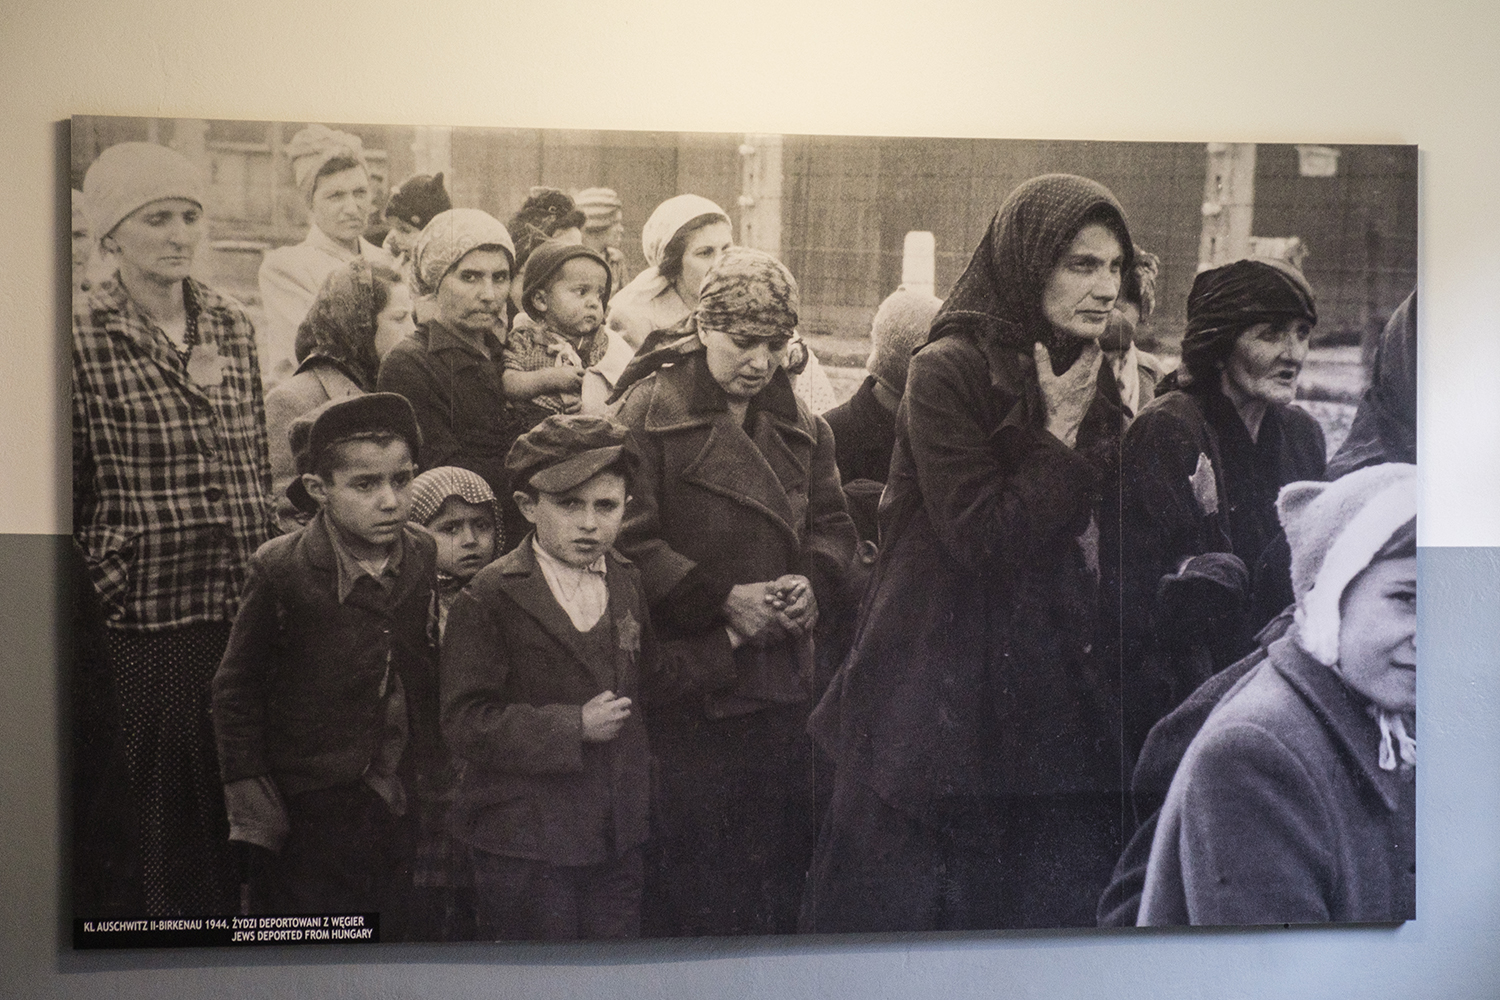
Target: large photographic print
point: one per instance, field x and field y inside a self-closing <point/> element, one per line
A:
<point x="502" y="534"/>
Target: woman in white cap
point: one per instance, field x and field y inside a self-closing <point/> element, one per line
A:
<point x="331" y="174"/>
<point x="682" y="239"/>
<point x="170" y="486"/>
<point x="1296" y="801"/>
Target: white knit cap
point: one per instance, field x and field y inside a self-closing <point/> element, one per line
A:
<point x="131" y="175"/>
<point x="1334" y="530"/>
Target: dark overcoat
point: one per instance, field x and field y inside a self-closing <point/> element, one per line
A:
<point x="730" y="505"/>
<point x="514" y="678"/>
<point x="970" y="673"/>
<point x="299" y="695"/>
<point x="1280" y="812"/>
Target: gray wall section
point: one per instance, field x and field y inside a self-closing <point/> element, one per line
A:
<point x="1451" y="950"/>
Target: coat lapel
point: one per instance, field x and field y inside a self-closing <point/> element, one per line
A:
<point x="524" y="583"/>
<point x="731" y="463"/>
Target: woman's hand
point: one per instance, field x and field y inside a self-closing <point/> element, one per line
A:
<point x="603" y="715"/>
<point x="751" y="613"/>
<point x="796" y="606"/>
<point x="1068" y="395"/>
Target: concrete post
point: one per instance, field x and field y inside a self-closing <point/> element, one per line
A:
<point x="1228" y="204"/>
<point x="919" y="262"/>
<point x="760" y="193"/>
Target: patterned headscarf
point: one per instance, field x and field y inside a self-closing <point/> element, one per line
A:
<point x="433" y="488"/>
<point x="1004" y="281"/>
<point x="1226" y="300"/>
<point x="748" y="293"/>
<point x="340" y="325"/>
<point x="601" y="207"/>
<point x="448" y="237"/>
<point x="313" y="147"/>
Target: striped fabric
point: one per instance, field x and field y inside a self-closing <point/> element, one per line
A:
<point x="170" y="479"/>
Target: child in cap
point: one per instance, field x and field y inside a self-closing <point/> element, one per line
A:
<point x="459" y="510"/>
<point x="541" y="670"/>
<point x="565" y="292"/>
<point x="325" y="704"/>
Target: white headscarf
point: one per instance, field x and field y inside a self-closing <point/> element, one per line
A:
<point x="666" y="222"/>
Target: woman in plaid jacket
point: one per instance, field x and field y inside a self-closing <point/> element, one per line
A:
<point x="170" y="498"/>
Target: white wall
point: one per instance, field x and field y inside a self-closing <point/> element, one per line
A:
<point x="1270" y="70"/>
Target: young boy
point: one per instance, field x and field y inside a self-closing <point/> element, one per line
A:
<point x="565" y="292"/>
<point x="325" y="704"/>
<point x="540" y="674"/>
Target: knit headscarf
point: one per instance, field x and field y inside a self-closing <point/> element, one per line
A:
<point x="433" y="488"/>
<point x="312" y="148"/>
<point x="1226" y="300"/>
<point x="746" y="293"/>
<point x="601" y="207"/>
<point x="1003" y="284"/>
<point x="1335" y="530"/>
<point x="130" y="175"/>
<point x="448" y="237"/>
<point x="340" y="325"/>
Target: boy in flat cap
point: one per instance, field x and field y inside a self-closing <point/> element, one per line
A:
<point x="541" y="670"/>
<point x="325" y="704"/>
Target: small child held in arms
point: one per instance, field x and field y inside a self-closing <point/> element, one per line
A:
<point x="565" y="292"/>
<point x="541" y="671"/>
<point x="325" y="704"/>
<point x="459" y="510"/>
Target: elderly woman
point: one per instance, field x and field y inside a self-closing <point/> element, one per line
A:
<point x="1296" y="801"/>
<point x="332" y="177"/>
<point x="170" y="486"/>
<point x="682" y="240"/>
<point x="362" y="311"/>
<point x="738" y="525"/>
<point x="975" y="785"/>
<point x="1200" y="470"/>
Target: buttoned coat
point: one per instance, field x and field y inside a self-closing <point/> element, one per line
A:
<point x="299" y="693"/>
<point x="736" y="504"/>
<point x="515" y="675"/>
<point x="1280" y="812"/>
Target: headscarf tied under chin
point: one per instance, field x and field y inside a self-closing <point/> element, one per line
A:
<point x="313" y="147"/>
<point x="340" y="325"/>
<point x="1003" y="284"/>
<point x="1335" y="531"/>
<point x="1226" y="300"/>
<point x="747" y="293"/>
<point x="666" y="222"/>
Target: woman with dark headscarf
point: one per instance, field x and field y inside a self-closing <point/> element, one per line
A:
<point x="362" y="311"/>
<point x="738" y="525"/>
<point x="1200" y="470"/>
<point x="976" y="786"/>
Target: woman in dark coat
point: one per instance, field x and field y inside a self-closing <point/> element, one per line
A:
<point x="737" y="522"/>
<point x="976" y="783"/>
<point x="1199" y="474"/>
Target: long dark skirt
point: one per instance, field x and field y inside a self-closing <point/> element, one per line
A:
<point x="1007" y="862"/>
<point x="736" y="823"/>
<point x="163" y="678"/>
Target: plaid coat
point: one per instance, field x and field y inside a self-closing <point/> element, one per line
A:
<point x="171" y="479"/>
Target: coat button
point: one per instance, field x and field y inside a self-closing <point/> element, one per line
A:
<point x="214" y="494"/>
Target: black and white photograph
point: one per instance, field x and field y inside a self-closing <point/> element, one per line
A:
<point x="500" y="534"/>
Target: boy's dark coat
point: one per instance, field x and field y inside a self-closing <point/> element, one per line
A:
<point x="298" y="695"/>
<point x="514" y="678"/>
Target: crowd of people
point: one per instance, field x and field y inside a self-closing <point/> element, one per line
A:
<point x="532" y="602"/>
